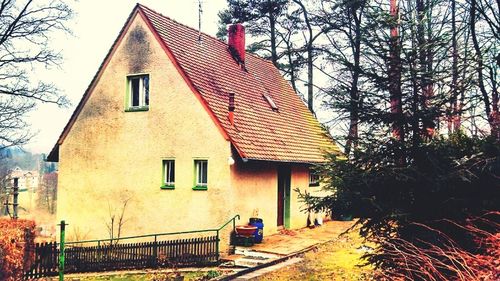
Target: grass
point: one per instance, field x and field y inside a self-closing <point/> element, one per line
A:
<point x="336" y="260"/>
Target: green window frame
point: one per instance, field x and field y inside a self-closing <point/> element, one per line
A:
<point x="168" y="174"/>
<point x="138" y="94"/>
<point x="200" y="174"/>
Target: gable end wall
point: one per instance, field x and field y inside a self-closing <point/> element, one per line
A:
<point x="111" y="156"/>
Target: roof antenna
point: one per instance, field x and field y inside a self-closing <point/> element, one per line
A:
<point x="200" y="11"/>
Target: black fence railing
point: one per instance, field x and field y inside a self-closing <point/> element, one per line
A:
<point x="179" y="252"/>
<point x="114" y="254"/>
<point x="46" y="260"/>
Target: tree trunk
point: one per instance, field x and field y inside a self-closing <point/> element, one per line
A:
<point x="425" y="66"/>
<point x="310" y="58"/>
<point x="272" y="24"/>
<point x="394" y="76"/>
<point x="355" y="103"/>
<point x="292" y="68"/>
<point x="455" y="117"/>
<point x="310" y="94"/>
<point x="430" y="129"/>
<point x="495" y="115"/>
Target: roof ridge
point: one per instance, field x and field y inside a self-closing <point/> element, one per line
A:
<point x="206" y="34"/>
<point x="169" y="18"/>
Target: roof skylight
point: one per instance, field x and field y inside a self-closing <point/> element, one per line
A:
<point x="270" y="101"/>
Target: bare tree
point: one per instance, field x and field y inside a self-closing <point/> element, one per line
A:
<point x="344" y="53"/>
<point x="284" y="31"/>
<point x="310" y="36"/>
<point x="486" y="45"/>
<point x="47" y="193"/>
<point x="26" y="28"/>
<point x="117" y="219"/>
<point x="264" y="18"/>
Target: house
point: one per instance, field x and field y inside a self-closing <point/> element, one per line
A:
<point x="181" y="131"/>
<point x="27" y="183"/>
<point x="26" y="179"/>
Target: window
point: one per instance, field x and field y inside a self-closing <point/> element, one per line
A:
<point x="201" y="174"/>
<point x="168" y="181"/>
<point x="138" y="92"/>
<point x="313" y="178"/>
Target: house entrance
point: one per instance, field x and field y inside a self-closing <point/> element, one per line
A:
<point x="284" y="175"/>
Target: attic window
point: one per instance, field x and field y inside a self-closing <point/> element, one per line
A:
<point x="271" y="102"/>
<point x="138" y="92"/>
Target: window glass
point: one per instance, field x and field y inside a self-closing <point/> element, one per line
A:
<point x="135" y="91"/>
<point x="146" y="90"/>
<point x="169" y="172"/>
<point x="271" y="102"/>
<point x="201" y="172"/>
<point x="138" y="91"/>
<point x="313" y="178"/>
<point x="204" y="165"/>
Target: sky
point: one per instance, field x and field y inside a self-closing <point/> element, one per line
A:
<point x="94" y="27"/>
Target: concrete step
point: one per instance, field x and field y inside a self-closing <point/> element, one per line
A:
<point x="252" y="253"/>
<point x="245" y="257"/>
<point x="250" y="261"/>
<point x="263" y="271"/>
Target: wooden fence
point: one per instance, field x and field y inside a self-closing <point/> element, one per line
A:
<point x="116" y="256"/>
<point x="46" y="260"/>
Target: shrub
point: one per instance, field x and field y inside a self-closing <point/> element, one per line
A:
<point x="433" y="207"/>
<point x="444" y="257"/>
<point x="16" y="248"/>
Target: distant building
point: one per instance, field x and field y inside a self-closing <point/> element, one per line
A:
<point x="28" y="182"/>
<point x="26" y="179"/>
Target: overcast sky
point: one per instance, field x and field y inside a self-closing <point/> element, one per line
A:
<point x="95" y="26"/>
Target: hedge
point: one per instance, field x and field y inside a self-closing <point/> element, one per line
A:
<point x="16" y="247"/>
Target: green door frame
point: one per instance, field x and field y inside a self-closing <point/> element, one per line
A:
<point x="284" y="178"/>
<point x="287" y="205"/>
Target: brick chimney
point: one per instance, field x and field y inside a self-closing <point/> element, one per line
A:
<point x="236" y="42"/>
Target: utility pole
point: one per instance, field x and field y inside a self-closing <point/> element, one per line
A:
<point x="16" y="194"/>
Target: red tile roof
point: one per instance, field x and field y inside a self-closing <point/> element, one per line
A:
<point x="291" y="134"/>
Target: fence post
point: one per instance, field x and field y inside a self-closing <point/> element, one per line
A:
<point x="155" y="253"/>
<point x="99" y="252"/>
<point x="217" y="247"/>
<point x="61" y="255"/>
